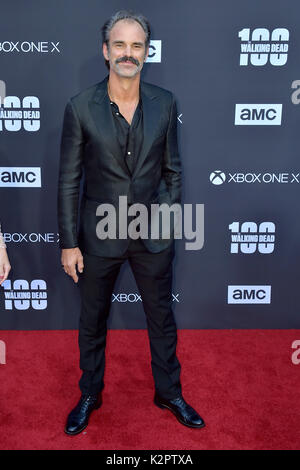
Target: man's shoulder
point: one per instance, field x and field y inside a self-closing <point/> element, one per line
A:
<point x="148" y="88"/>
<point x="155" y="90"/>
<point x="85" y="95"/>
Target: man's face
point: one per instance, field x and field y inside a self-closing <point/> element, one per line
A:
<point x="126" y="52"/>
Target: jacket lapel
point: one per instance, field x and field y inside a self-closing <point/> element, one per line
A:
<point x="102" y="116"/>
<point x="151" y="118"/>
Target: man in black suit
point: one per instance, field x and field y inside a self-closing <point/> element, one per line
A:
<point x="122" y="132"/>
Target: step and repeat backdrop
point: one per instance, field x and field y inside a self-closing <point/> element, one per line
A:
<point x="234" y="69"/>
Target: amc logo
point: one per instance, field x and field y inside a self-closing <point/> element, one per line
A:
<point x="25" y="177"/>
<point x="258" y="114"/>
<point x="249" y="294"/>
<point x="154" y="51"/>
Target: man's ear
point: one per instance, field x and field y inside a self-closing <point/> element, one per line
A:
<point x="146" y="54"/>
<point x="105" y="51"/>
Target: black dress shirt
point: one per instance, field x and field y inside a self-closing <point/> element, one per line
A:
<point x="130" y="137"/>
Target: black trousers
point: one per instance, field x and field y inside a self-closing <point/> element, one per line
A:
<point x="153" y="275"/>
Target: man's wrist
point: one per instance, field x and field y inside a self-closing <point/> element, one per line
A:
<point x="63" y="246"/>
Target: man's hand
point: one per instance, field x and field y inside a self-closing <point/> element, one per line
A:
<point x="5" y="266"/>
<point x="70" y="257"/>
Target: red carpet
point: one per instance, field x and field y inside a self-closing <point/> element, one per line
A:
<point x="242" y="382"/>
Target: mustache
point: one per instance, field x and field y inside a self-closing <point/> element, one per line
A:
<point x="126" y="58"/>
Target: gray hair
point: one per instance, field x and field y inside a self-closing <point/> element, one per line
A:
<point x="125" y="15"/>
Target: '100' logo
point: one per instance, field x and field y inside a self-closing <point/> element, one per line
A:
<point x="13" y="114"/>
<point x="21" y="296"/>
<point x="250" y="238"/>
<point x="262" y="46"/>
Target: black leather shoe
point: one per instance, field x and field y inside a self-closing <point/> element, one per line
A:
<point x="79" y="417"/>
<point x="184" y="413"/>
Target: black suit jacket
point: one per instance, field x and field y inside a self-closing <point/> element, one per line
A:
<point x="90" y="149"/>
